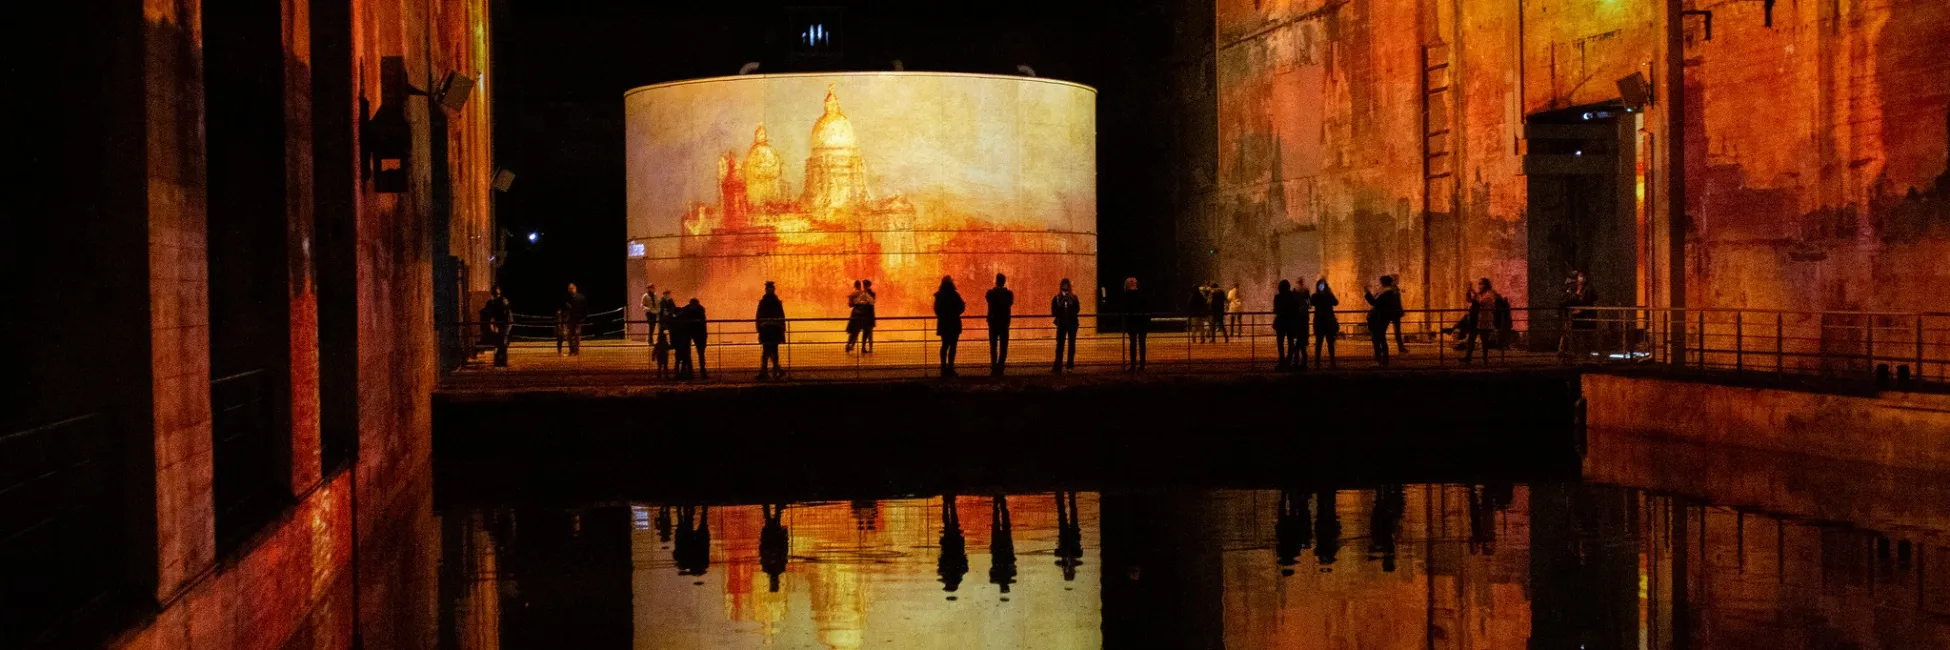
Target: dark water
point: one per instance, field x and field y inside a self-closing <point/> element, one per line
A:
<point x="1725" y="549"/>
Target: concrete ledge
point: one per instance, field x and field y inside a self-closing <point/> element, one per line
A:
<point x="1906" y="430"/>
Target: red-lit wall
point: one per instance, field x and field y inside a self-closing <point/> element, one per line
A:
<point x="1815" y="148"/>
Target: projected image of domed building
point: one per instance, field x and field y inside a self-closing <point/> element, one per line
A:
<point x="815" y="181"/>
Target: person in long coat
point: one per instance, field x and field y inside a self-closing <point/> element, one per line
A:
<point x="1137" y="322"/>
<point x="1383" y="308"/>
<point x="771" y="332"/>
<point x="1327" y="327"/>
<point x="948" y="307"/>
<point x="1289" y="318"/>
<point x="691" y="319"/>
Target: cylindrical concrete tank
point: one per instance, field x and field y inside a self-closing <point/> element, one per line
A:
<point x="817" y="180"/>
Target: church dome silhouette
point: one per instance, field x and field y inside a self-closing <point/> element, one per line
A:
<point x="833" y="130"/>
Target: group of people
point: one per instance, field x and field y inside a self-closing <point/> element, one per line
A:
<point x="681" y="330"/>
<point x="1206" y="311"/>
<point x="498" y="319"/>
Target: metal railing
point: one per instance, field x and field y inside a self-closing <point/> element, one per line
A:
<point x="1910" y="348"/>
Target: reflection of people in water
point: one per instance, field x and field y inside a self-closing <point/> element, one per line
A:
<point x="866" y="514"/>
<point x="1069" y="535"/>
<point x="693" y="552"/>
<point x="1482" y="519"/>
<point x="774" y="544"/>
<point x="1327" y="527"/>
<point x="1383" y="521"/>
<point x="954" y="549"/>
<point x="1290" y="531"/>
<point x="663" y="524"/>
<point x="1002" y="545"/>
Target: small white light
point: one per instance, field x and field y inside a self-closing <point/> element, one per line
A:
<point x="1579" y="152"/>
<point x="533" y="236"/>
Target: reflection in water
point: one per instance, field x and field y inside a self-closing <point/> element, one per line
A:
<point x="1446" y="566"/>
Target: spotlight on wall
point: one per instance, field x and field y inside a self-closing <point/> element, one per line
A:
<point x="748" y="68"/>
<point x="1026" y="70"/>
<point x="454" y="90"/>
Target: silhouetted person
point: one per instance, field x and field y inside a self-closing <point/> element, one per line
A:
<point x="498" y="316"/>
<point x="774" y="544"/>
<point x="663" y="524"/>
<point x="1289" y="327"/>
<point x="1480" y="323"/>
<point x="1002" y="545"/>
<point x="1327" y="528"/>
<point x="1137" y="323"/>
<point x="1482" y="521"/>
<point x="771" y="331"/>
<point x="649" y="303"/>
<point x="1196" y="311"/>
<point x="856" y="314"/>
<point x="1384" y="520"/>
<point x="1001" y="302"/>
<point x="954" y="548"/>
<point x="1400" y="347"/>
<point x="872" y="317"/>
<point x="1578" y="293"/>
<point x="666" y="311"/>
<point x="1327" y="326"/>
<point x="693" y="549"/>
<point x="660" y="350"/>
<point x="693" y="323"/>
<point x="561" y="330"/>
<point x="1383" y="308"/>
<point x="1063" y="310"/>
<point x="948" y="308"/>
<point x="1291" y="532"/>
<point x="575" y="308"/>
<point x="1069" y="535"/>
<point x="1217" y="302"/>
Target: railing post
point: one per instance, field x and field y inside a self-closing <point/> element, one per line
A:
<point x="1918" y="372"/>
<point x="1702" y="339"/>
<point x="1739" y="346"/>
<point x="1869" y="342"/>
<point x="1780" y="350"/>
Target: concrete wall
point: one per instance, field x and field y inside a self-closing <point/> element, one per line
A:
<point x="293" y="582"/>
<point x="1815" y="148"/>
<point x="1904" y="430"/>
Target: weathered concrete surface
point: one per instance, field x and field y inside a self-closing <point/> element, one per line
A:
<point x="1815" y="149"/>
<point x="1903" y="430"/>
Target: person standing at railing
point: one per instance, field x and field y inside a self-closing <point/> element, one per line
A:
<point x="855" y="313"/>
<point x="1217" y="326"/>
<point x="1577" y="293"/>
<point x="649" y="302"/>
<point x="666" y="311"/>
<point x="1001" y="302"/>
<point x="771" y="332"/>
<point x="1063" y="309"/>
<point x="575" y="308"/>
<point x="1480" y="324"/>
<point x="1400" y="347"/>
<point x="499" y="317"/>
<point x="1327" y="326"/>
<point x="1288" y="313"/>
<point x="1236" y="306"/>
<point x="1137" y="323"/>
<point x="1196" y="310"/>
<point x="1383" y="308"/>
<point x="873" y="315"/>
<point x="948" y="307"/>
<point x="691" y="318"/>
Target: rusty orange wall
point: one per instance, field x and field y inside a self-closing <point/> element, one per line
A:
<point x="1816" y="156"/>
<point x="292" y="584"/>
<point x="1803" y="141"/>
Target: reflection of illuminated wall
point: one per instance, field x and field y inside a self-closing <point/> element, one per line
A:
<point x="814" y="181"/>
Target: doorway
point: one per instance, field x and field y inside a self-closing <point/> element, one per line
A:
<point x="1580" y="170"/>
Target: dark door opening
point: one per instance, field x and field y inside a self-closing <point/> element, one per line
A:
<point x="1580" y="167"/>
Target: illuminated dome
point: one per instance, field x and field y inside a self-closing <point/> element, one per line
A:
<point x="762" y="167"/>
<point x="832" y="131"/>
